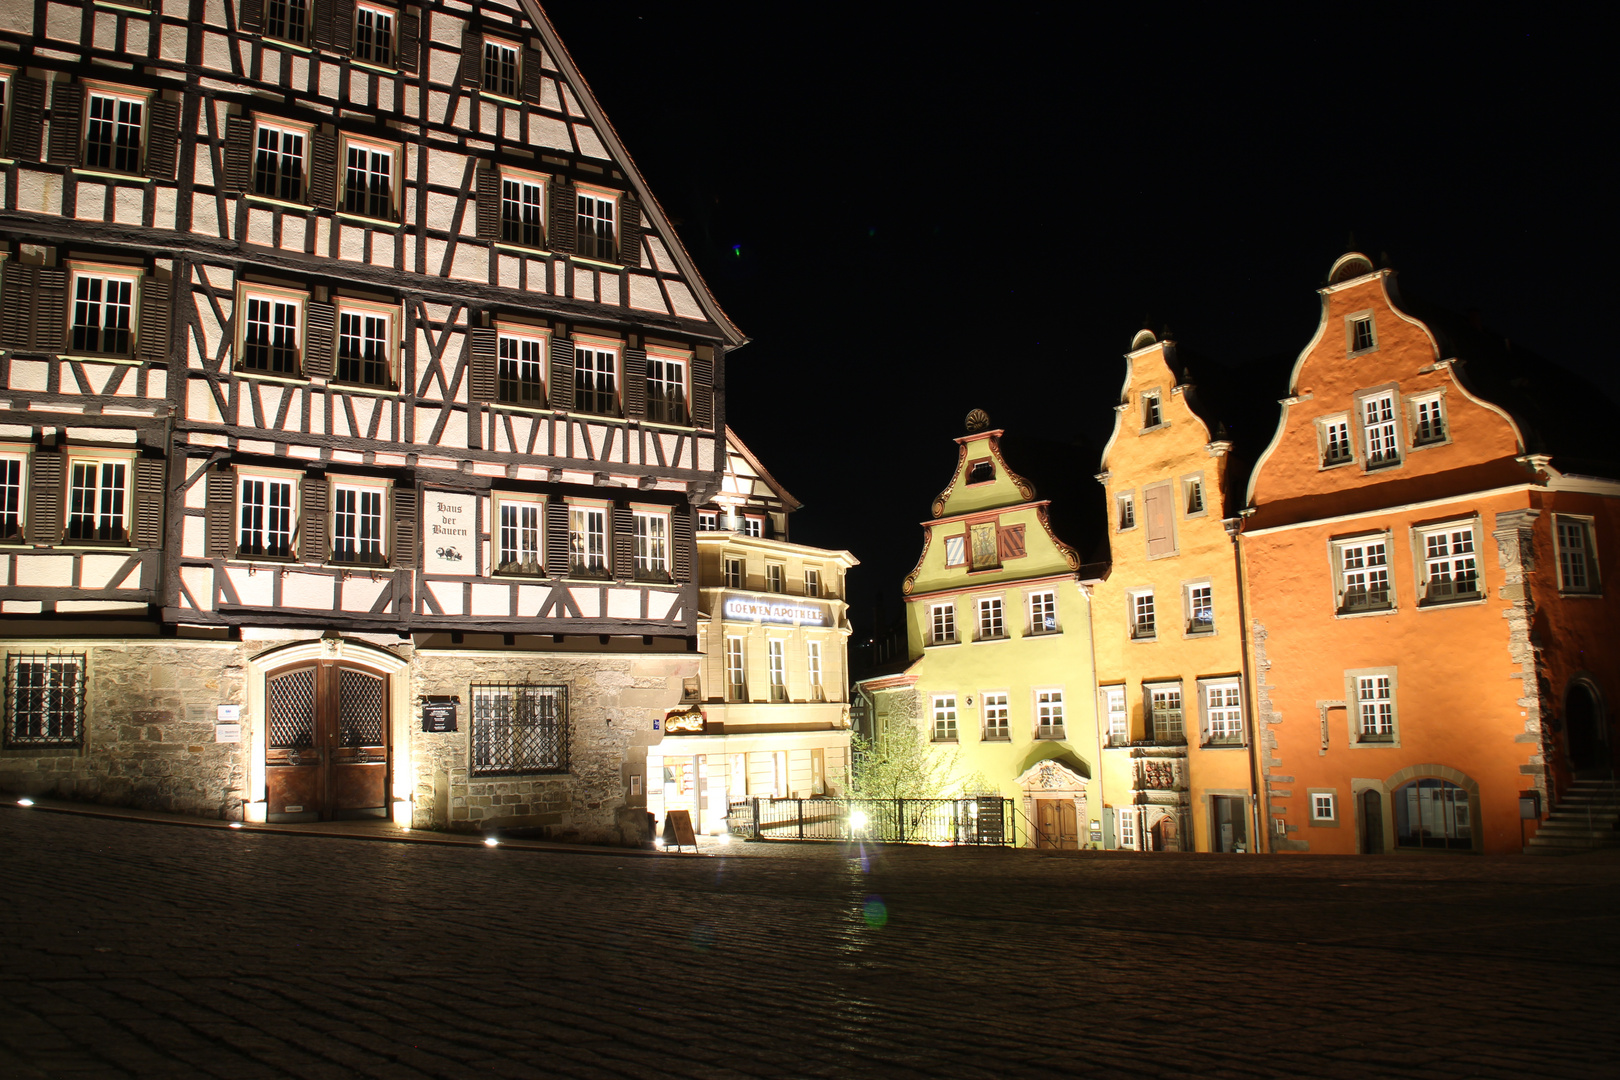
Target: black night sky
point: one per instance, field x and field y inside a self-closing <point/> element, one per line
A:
<point x="915" y="210"/>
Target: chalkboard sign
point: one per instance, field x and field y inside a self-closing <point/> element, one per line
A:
<point x="439" y="716"/>
<point x="678" y="830"/>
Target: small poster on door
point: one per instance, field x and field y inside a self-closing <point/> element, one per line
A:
<point x="449" y="532"/>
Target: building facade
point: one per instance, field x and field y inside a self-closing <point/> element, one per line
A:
<point x="358" y="401"/>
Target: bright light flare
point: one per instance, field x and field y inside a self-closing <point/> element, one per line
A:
<point x="858" y="819"/>
<point x="236" y="824"/>
<point x="25" y="802"/>
<point x="490" y="841"/>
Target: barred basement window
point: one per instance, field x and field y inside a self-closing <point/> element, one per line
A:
<point x="519" y="728"/>
<point x="44" y="699"/>
<point x="112" y="132"/>
<point x="374" y="35"/>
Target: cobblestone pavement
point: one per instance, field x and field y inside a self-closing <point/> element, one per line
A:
<point x="134" y="949"/>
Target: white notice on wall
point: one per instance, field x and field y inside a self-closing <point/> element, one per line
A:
<point x="227" y="732"/>
<point x="230" y="714"/>
<point x="449" y="532"/>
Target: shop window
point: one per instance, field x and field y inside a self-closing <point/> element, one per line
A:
<point x="519" y="728"/>
<point x="1432" y="814"/>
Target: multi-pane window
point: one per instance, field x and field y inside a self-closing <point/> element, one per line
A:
<point x="374" y="35"/>
<point x="944" y="710"/>
<point x="1378" y="425"/>
<point x="708" y="521"/>
<point x="813" y="659"/>
<point x="1336" y="441"/>
<point x="594" y="384"/>
<point x="103" y="312"/>
<point x="1364" y="576"/>
<point x="270" y="340"/>
<point x="12" y="469"/>
<point x="734" y="573"/>
<point x="500" y="68"/>
<point x="1127" y="512"/>
<point x="265" y="507"/>
<point x="1119" y="731"/>
<point x="812" y="581"/>
<point x="736" y="682"/>
<point x="753" y="525"/>
<point x="1164" y="709"/>
<point x="1375" y="708"/>
<point x="1428" y="422"/>
<point x="1049" y="714"/>
<point x="1322" y="808"/>
<point x="776" y="664"/>
<point x="587" y="539"/>
<point x="357" y="524"/>
<point x="519" y="728"/>
<point x="1043" y="613"/>
<point x="363" y="354"/>
<point x="520" y="368"/>
<point x="991" y="623"/>
<point x="666" y="389"/>
<point x="774" y="574"/>
<point x="1200" y="609"/>
<point x="652" y="544"/>
<point x="942" y="619"/>
<point x="1127" y="827"/>
<point x="520" y="528"/>
<point x="522" y="203"/>
<point x="1361" y="334"/>
<point x="368" y="180"/>
<point x="97" y="493"/>
<point x="287" y="19"/>
<point x="1577" y="562"/>
<point x="1223" y="704"/>
<point x="996" y="716"/>
<point x="1449" y="567"/>
<point x="1432" y="813"/>
<point x="1143" y="621"/>
<point x="112" y="132"/>
<point x="1151" y="415"/>
<point x="44" y="699"/>
<point x="595" y="235"/>
<point x="278" y="163"/>
<point x="1193" y="490"/>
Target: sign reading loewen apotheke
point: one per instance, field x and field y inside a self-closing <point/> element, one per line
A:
<point x="759" y="609"/>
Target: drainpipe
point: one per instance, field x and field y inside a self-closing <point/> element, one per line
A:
<point x="1096" y="724"/>
<point x="1234" y="527"/>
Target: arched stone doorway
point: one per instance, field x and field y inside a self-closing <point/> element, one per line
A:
<point x="1586" y="732"/>
<point x="1055" y="802"/>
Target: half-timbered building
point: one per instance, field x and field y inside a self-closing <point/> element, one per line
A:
<point x="357" y="399"/>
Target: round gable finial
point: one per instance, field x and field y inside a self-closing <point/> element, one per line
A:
<point x="1352" y="264"/>
<point x="977" y="420"/>
<point x="1142" y="340"/>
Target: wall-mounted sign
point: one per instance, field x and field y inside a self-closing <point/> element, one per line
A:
<point x="229" y="714"/>
<point x="227" y="732"/>
<point x="449" y="532"/>
<point x="687" y="720"/>
<point x="759" y="609"/>
<point x="439" y="716"/>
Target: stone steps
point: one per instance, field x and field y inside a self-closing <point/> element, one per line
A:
<point x="1585" y="819"/>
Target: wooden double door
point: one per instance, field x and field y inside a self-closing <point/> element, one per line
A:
<point x="1056" y="824"/>
<point x="326" y="755"/>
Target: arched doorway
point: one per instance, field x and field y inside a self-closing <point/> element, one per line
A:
<point x="327" y="742"/>
<point x="1585" y="732"/>
<point x="1433" y="814"/>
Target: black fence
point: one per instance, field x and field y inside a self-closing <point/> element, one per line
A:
<point x="982" y="820"/>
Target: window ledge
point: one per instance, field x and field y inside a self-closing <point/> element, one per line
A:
<point x="82" y="545"/>
<point x="1160" y="426"/>
<point x="255" y="197"/>
<point x="587" y="260"/>
<point x="1045" y="633"/>
<point x="1199" y="633"/>
<point x="1341" y="613"/>
<point x="1583" y="595"/>
<point x="1050" y="737"/>
<point x="1329" y="465"/>
<point x="133" y="178"/>
<point x="942" y="644"/>
<point x="1430" y="444"/>
<point x="996" y="738"/>
<point x="502" y="98"/>
<point x="522" y="249"/>
<point x="1375" y="744"/>
<point x="83" y="358"/>
<point x="944" y="742"/>
<point x="285" y="44"/>
<point x="1472" y="600"/>
<point x="991" y="637"/>
<point x="291" y="380"/>
<point x="1143" y="639"/>
<point x="381" y="223"/>
<point x="379" y="68"/>
<point x="1215" y="744"/>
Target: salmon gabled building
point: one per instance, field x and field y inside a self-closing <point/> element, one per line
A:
<point x="1423" y="561"/>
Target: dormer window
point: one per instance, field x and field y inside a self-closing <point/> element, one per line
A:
<point x="1151" y="415"/>
<point x="981" y="472"/>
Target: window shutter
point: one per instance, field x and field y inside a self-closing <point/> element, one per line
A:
<point x="624" y="542"/>
<point x="333" y="22"/>
<point x="17" y="283"/>
<point x="45" y="497"/>
<point x="472" y="57"/>
<point x="557" y="539"/>
<point x="50" y="309"/>
<point x="563" y="208"/>
<point x="629" y="230"/>
<point x="238" y="153"/>
<point x="312" y="528"/>
<point x="319" y="322"/>
<point x="323" y="169"/>
<point x="489" y="204"/>
<point x="635" y="383"/>
<point x="680" y="527"/>
<point x="252" y="17"/>
<point x="148" y="530"/>
<point x="562" y="373"/>
<point x="531" y="74"/>
<point x="410" y="33"/>
<point x="405" y="528"/>
<point x="163" y="131"/>
<point x="1010" y="541"/>
<point x="481" y="382"/>
<point x="153" y="342"/>
<point x="222" y="489"/>
<point x="1161" y="537"/>
<point x="67" y="110"/>
<point x="27" y="117"/>
<point x="702" y="393"/>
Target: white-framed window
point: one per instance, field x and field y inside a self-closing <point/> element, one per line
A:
<point x="280" y="162"/>
<point x="1127" y="827"/>
<point x="1192" y="496"/>
<point x="373" y="39"/>
<point x="1361" y="334"/>
<point x="666" y="387"/>
<point x="1375" y="708"/>
<point x="1577" y="554"/>
<point x="1125" y="511"/>
<point x="736" y="672"/>
<point x="1363" y="566"/>
<point x="955" y="551"/>
<point x="1119" y="721"/>
<point x="1450" y="570"/>
<point x="942" y="624"/>
<point x="812" y="581"/>
<point x="775" y="575"/>
<point x="944" y="714"/>
<point x="996" y="715"/>
<point x="1379" y="430"/>
<point x="500" y="67"/>
<point x="776" y="659"/>
<point x="753" y="525"/>
<point x="1199" y="597"/>
<point x="369" y="177"/>
<point x="1324" y="806"/>
<point x="1164" y="712"/>
<point x="104" y="310"/>
<point x="521" y="531"/>
<point x="287" y="20"/>
<point x="267" y="515"/>
<point x="114" y="129"/>
<point x="652" y="544"/>
<point x="1144" y="621"/>
<point x="359" y="523"/>
<point x="98" y="499"/>
<point x="1223" y="712"/>
<point x="1043" y="612"/>
<point x="991" y="623"/>
<point x="596" y="387"/>
<point x="271" y="330"/>
<point x="13" y="494"/>
<point x="365" y="343"/>
<point x="813" y="666"/>
<point x="596" y="236"/>
<point x="1333" y="434"/>
<point x="734" y="573"/>
<point x="708" y="521"/>
<point x="523" y="208"/>
<point x="1049" y="714"/>
<point x="1152" y="414"/>
<point x="520" y="371"/>
<point x="587" y="539"/>
<point x="1428" y="420"/>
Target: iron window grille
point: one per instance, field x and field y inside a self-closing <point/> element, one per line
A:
<point x="519" y="728"/>
<point x="44" y="699"/>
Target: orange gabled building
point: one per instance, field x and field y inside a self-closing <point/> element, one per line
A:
<point x="1423" y="566"/>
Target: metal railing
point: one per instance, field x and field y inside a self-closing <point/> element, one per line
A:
<point x="983" y="820"/>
